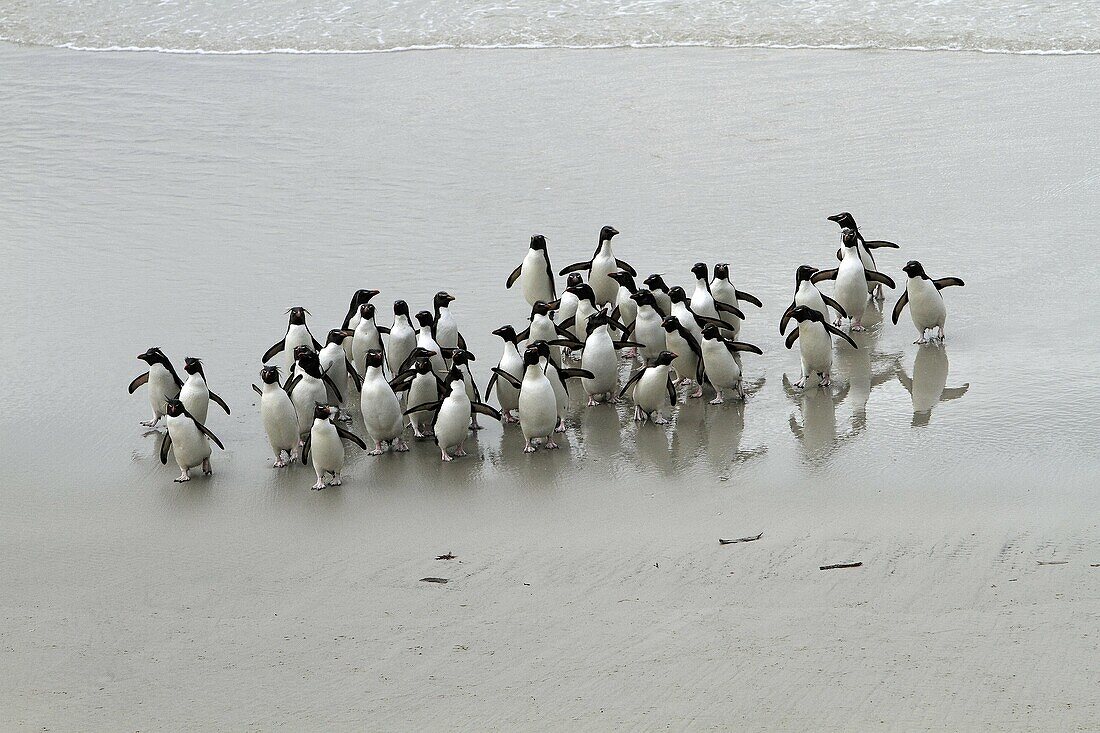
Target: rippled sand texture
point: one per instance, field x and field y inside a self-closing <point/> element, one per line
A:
<point x="186" y="202"/>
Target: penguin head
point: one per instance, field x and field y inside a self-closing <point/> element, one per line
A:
<point x="597" y="319"/>
<point x="677" y="295"/>
<point x="362" y="296"/>
<point x="722" y="271"/>
<point x="453" y="376"/>
<point x="269" y="375"/>
<point x="538" y="242"/>
<point x="154" y="356"/>
<point x="337" y="335"/>
<point x="710" y="331"/>
<point x="655" y="282"/>
<point x="914" y="269"/>
<point x="804" y="272"/>
<point x="300" y="351"/>
<point x="507" y="333"/>
<point x="671" y="324"/>
<point x="805" y="313"/>
<point x="308" y="361"/>
<point x="425" y="318"/>
<point x="624" y="278"/>
<point x="373" y="358"/>
<point x="665" y="358"/>
<point x="844" y="219"/>
<point x="321" y="412"/>
<point x="461" y="356"/>
<point x="607" y="233"/>
<point x="422" y="365"/>
<point x="193" y="365"/>
<point x="542" y="308"/>
<point x="583" y="291"/>
<point x="400" y="308"/>
<point x="700" y="270"/>
<point x="442" y="299"/>
<point x="542" y="347"/>
<point x="531" y="356"/>
<point x="643" y="297"/>
<point x="366" y="312"/>
<point x="174" y="407"/>
<point x="573" y="280"/>
<point x="420" y="353"/>
<point x="298" y="315"/>
<point x="848" y="237"/>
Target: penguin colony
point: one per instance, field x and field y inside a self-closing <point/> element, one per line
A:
<point x="415" y="373"/>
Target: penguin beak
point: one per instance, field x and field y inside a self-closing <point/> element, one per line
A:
<point x="834" y="217"/>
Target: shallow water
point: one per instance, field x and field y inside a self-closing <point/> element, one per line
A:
<point x="186" y="202"/>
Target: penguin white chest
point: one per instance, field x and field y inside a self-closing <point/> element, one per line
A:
<point x="702" y="302"/>
<point x="810" y="297"/>
<point x="599" y="358"/>
<point x="189" y="445"/>
<point x="648" y="332"/>
<point x="453" y="421"/>
<point x="195" y="396"/>
<point x="280" y="418"/>
<point x="538" y="406"/>
<point x="381" y="408"/>
<point x="161" y="388"/>
<point x="925" y="303"/>
<point x="651" y="390"/>
<point x="533" y="278"/>
<point x="446" y="330"/>
<point x="722" y="368"/>
<point x="686" y="362"/>
<point x="308" y="393"/>
<point x="603" y="264"/>
<point x="366" y="338"/>
<point x="815" y="347"/>
<point x="425" y="340"/>
<point x="424" y="388"/>
<point x="326" y="451"/>
<point x="334" y="364"/>
<point x="296" y="335"/>
<point x="851" y="286"/>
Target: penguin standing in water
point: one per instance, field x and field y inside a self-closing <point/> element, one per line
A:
<point x="558" y="379"/>
<point x="422" y="386"/>
<point x="452" y="415"/>
<point x="724" y="292"/>
<point x="367" y="336"/>
<point x="652" y="384"/>
<point x="164" y="383"/>
<point x="657" y="286"/>
<point x="401" y="339"/>
<point x="538" y="405"/>
<point x="626" y="308"/>
<point x="308" y="386"/>
<point x="647" y="329"/>
<point x="925" y="302"/>
<point x="703" y="303"/>
<point x="687" y="354"/>
<point x="602" y="264"/>
<point x="851" y="281"/>
<point x="279" y="416"/>
<point x="815" y="339"/>
<point x="535" y="276"/>
<point x="846" y="221"/>
<point x="807" y="294"/>
<point x="326" y="449"/>
<point x="460" y="360"/>
<point x="188" y="440"/>
<point x="334" y="361"/>
<point x="381" y="409"/>
<point x="512" y="363"/>
<point x="297" y="334"/>
<point x="195" y="394"/>
<point x="425" y="339"/>
<point x="444" y="328"/>
<point x="687" y="316"/>
<point x="598" y="357"/>
<point x="355" y="311"/>
<point x="720" y="362"/>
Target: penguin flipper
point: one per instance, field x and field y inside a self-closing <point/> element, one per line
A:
<point x="749" y="297"/>
<point x="514" y="276"/>
<point x="206" y="431"/>
<point x="834" y="305"/>
<point x="954" y="393"/>
<point x="138" y="381"/>
<point x="708" y="321"/>
<point x="524" y="334"/>
<point x="275" y="349"/>
<point x="497" y="371"/>
<point x="878" y="277"/>
<point x="351" y="436"/>
<point x="484" y="409"/>
<point x="562" y="332"/>
<point x="461" y="341"/>
<point x="221" y="402"/>
<point x="355" y="378"/>
<point x="332" y="385"/>
<point x="550" y="278"/>
<point x="305" y="448"/>
<point x="292" y="383"/>
<point x="946" y="282"/>
<point x="791" y="338"/>
<point x="823" y="275"/>
<point x="900" y="306"/>
<point x="626" y="266"/>
<point x="569" y="343"/>
<point x="727" y="308"/>
<point x="735" y="346"/>
<point x="165" y="444"/>
<point x="630" y="382"/>
<point x="569" y="322"/>
<point x="383" y="329"/>
<point x="489" y="385"/>
<point x="575" y="372"/>
<point x="316" y="343"/>
<point x="786" y="318"/>
<point x="576" y="267"/>
<point x="425" y="407"/>
<point x="839" y="255"/>
<point x="671" y="391"/>
<point x="878" y="243"/>
<point x="257" y="390"/>
<point x="837" y="332"/>
<point x="627" y="344"/>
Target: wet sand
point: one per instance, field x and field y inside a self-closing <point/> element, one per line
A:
<point x="186" y="202"/>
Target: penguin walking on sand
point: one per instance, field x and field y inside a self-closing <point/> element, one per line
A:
<point x="558" y="379"/>
<point x="598" y="357"/>
<point x="368" y="335"/>
<point x="444" y="327"/>
<point x="511" y="362"/>
<point x="195" y="394"/>
<point x="926" y="306"/>
<point x="381" y="408"/>
<point x="307" y="386"/>
<point x="534" y="274"/>
<point x="647" y="329"/>
<point x="703" y="303"/>
<point x="297" y="334"/>
<point x="355" y="313"/>
<point x="401" y="339"/>
<point x="723" y="291"/>
<point x="188" y="439"/>
<point x="325" y="448"/>
<point x="600" y="267"/>
<point x="422" y="385"/>
<point x="846" y="221"/>
<point x="652" y="389"/>
<point x="279" y="417"/>
<point x="164" y="383"/>
<point x="720" y="364"/>
<point x="688" y="354"/>
<point x="334" y="361"/>
<point x="452" y="416"/>
<point x="807" y="294"/>
<point x="815" y="339"/>
<point x="851" y="281"/>
<point x="538" y="405"/>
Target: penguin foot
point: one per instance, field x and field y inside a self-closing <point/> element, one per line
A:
<point x="921" y="340"/>
<point x="335" y="481"/>
<point x="400" y="446"/>
<point x="461" y="452"/>
<point x="508" y="417"/>
<point x="716" y="401"/>
<point x="474" y="425"/>
<point x="185" y="476"/>
<point x="206" y="469"/>
<point x="318" y="486"/>
<point x="856" y="328"/>
<point x="659" y="420"/>
<point x="630" y="353"/>
<point x="528" y="447"/>
<point x="826" y="380"/>
<point x="592" y="401"/>
<point x="378" y="450"/>
<point x="801" y="383"/>
<point x="280" y="463"/>
<point x="550" y="444"/>
<point x="637" y="414"/>
<point x="561" y="426"/>
<point x="697" y="393"/>
<point x="150" y="423"/>
<point x="444" y="456"/>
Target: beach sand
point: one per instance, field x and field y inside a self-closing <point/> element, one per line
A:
<point x="187" y="201"/>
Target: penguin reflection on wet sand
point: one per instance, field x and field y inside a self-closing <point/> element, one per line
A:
<point x="817" y="431"/>
<point x="928" y="385"/>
